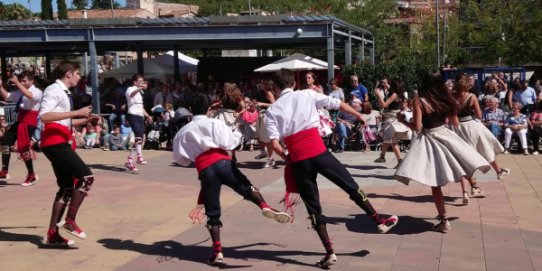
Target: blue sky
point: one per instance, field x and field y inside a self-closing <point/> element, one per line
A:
<point x="35" y="5"/>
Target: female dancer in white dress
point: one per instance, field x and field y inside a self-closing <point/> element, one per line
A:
<point x="231" y="106"/>
<point x="390" y="100"/>
<point x="472" y="130"/>
<point x="437" y="155"/>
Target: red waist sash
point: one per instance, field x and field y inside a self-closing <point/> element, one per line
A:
<point x="210" y="157"/>
<point x="305" y="145"/>
<point x="25" y="118"/>
<point x="55" y="133"/>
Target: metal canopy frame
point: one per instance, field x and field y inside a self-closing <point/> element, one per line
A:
<point x="96" y="36"/>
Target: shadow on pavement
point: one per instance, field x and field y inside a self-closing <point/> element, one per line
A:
<point x="360" y="167"/>
<point x="364" y="224"/>
<point x="385" y="177"/>
<point x="4" y="183"/>
<point x="108" y="167"/>
<point x="171" y="250"/>
<point x="19" y="237"/>
<point x="420" y="198"/>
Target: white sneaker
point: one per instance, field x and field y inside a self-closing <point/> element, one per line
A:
<point x="476" y="192"/>
<point x="466" y="198"/>
<point x="506" y="151"/>
<point x="280" y="217"/>
<point x="216" y="259"/>
<point x="502" y="173"/>
<point x="270" y="163"/>
<point x="443" y="225"/>
<point x="536" y="153"/>
<point x="329" y="259"/>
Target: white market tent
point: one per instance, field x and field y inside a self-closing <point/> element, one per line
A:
<point x="186" y="63"/>
<point x="295" y="62"/>
<point x="160" y="67"/>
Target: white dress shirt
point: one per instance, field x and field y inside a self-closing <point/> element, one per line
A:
<point x="27" y="104"/>
<point x="135" y="103"/>
<point x="296" y="111"/>
<point x="200" y="135"/>
<point x="55" y="99"/>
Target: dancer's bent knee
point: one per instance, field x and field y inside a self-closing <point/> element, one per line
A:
<point x="5" y="149"/>
<point x="317" y="220"/>
<point x="84" y="184"/>
<point x="213" y="221"/>
<point x="64" y="195"/>
<point x="359" y="195"/>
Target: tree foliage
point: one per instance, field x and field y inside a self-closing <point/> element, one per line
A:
<point x="506" y="32"/>
<point x="79" y="4"/>
<point x="62" y="9"/>
<point x="46" y="10"/>
<point x="104" y="4"/>
<point x="14" y="12"/>
<point x="485" y="32"/>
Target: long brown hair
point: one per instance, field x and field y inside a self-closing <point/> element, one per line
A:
<point x="398" y="87"/>
<point x="461" y="85"/>
<point x="434" y="91"/>
<point x="231" y="94"/>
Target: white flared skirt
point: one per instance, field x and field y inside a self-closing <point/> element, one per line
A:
<point x="481" y="138"/>
<point x="438" y="156"/>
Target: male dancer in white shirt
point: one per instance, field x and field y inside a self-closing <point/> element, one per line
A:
<point x="294" y="117"/>
<point x="28" y="99"/>
<point x="73" y="176"/>
<point x="136" y="117"/>
<point x="206" y="141"/>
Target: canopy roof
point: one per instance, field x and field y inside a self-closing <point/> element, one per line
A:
<point x="296" y="62"/>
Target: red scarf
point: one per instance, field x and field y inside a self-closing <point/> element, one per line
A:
<point x="25" y="119"/>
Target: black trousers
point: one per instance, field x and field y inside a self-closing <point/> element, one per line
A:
<point x="305" y="173"/>
<point x="10" y="136"/>
<point x="212" y="178"/>
<point x="66" y="164"/>
<point x="536" y="133"/>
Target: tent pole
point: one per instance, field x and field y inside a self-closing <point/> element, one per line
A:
<point x="176" y="73"/>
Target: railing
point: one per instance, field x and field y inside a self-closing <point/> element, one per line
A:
<point x="8" y="110"/>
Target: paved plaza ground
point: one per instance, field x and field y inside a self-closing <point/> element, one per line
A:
<point x="138" y="221"/>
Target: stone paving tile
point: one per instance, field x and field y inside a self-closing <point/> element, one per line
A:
<point x="139" y="221"/>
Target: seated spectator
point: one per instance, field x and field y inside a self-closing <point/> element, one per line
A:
<point x="3" y="125"/>
<point x="90" y="135"/>
<point x="127" y="134"/>
<point x="493" y="117"/>
<point x="117" y="104"/>
<point x="536" y="127"/>
<point x="345" y="124"/>
<point x="116" y="141"/>
<point x="336" y="91"/>
<point x="516" y="123"/>
<point x="370" y="129"/>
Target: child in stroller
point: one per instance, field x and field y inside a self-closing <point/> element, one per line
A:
<point x="156" y="132"/>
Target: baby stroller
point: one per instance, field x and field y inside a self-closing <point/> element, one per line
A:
<point x="181" y="118"/>
<point x="156" y="132"/>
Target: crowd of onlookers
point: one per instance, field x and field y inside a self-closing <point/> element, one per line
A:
<point x="511" y="109"/>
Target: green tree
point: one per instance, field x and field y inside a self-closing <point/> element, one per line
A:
<point x="46" y="10"/>
<point x="79" y="4"/>
<point x="104" y="4"/>
<point x="503" y="32"/>
<point x="62" y="9"/>
<point x="14" y="12"/>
